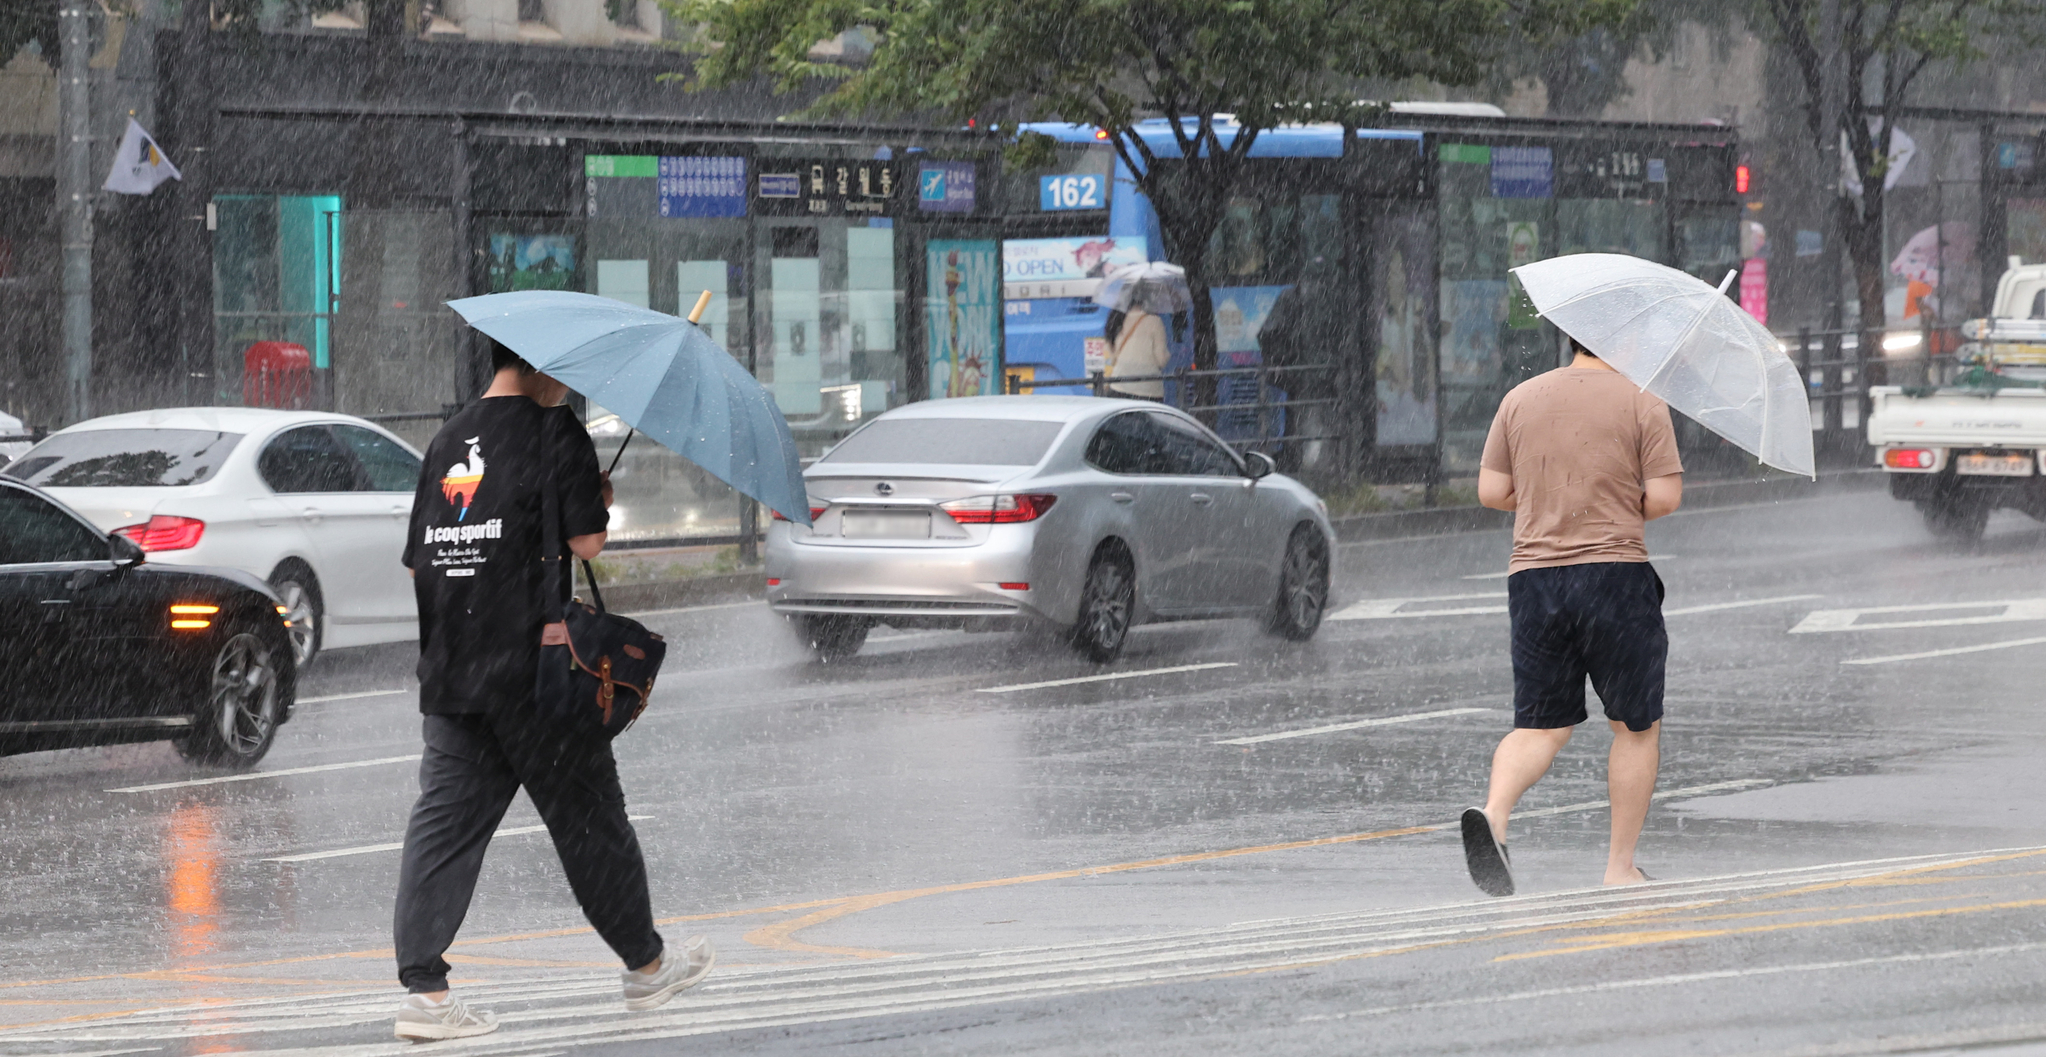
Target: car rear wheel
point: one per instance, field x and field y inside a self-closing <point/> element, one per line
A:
<point x="833" y="638"/>
<point x="303" y="606"/>
<point x="1108" y="604"/>
<point x="236" y="723"/>
<point x="1303" y="586"/>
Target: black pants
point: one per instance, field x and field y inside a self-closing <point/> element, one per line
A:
<point x="472" y="767"/>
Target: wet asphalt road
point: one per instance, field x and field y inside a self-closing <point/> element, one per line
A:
<point x="1238" y="845"/>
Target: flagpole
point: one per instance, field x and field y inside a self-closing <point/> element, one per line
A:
<point x="74" y="192"/>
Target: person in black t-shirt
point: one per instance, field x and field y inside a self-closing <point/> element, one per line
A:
<point x="487" y="603"/>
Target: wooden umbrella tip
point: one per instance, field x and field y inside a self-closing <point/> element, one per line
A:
<point x="703" y="302"/>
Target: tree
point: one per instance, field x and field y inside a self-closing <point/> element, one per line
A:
<point x="1885" y="47"/>
<point x="1588" y="72"/>
<point x="1112" y="63"/>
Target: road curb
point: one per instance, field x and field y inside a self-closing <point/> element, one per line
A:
<point x="700" y="590"/>
<point x="1406" y="524"/>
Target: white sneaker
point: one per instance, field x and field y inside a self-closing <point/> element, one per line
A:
<point x="451" y="1019"/>
<point x="679" y="971"/>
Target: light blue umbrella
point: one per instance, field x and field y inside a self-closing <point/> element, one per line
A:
<point x="661" y="374"/>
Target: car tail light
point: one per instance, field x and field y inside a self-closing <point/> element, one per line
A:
<point x="1014" y="586"/>
<point x="815" y="513"/>
<point x="165" y="532"/>
<point x="1910" y="458"/>
<point x="192" y="616"/>
<point x="998" y="509"/>
<point x="774" y="581"/>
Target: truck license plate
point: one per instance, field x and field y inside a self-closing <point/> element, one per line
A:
<point x="886" y="524"/>
<point x="1995" y="465"/>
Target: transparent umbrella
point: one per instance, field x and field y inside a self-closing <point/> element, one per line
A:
<point x="1684" y="341"/>
<point x="1157" y="288"/>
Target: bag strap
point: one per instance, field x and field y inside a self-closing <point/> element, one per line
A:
<point x="550" y="533"/>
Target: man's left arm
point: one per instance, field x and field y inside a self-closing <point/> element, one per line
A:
<point x="1662" y="487"/>
<point x="585" y="494"/>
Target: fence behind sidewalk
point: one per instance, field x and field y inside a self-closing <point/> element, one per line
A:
<point x="1838" y="373"/>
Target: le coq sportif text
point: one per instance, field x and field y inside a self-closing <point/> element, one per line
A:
<point x="488" y="530"/>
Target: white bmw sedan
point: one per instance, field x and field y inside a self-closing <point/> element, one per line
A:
<point x="314" y="502"/>
<point x="1086" y="514"/>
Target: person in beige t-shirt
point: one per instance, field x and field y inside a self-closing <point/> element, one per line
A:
<point x="1584" y="458"/>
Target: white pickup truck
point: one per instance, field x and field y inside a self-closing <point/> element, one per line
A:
<point x="1962" y="450"/>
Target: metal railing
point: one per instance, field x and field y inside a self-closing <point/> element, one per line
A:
<point x="1269" y="424"/>
<point x="1836" y="368"/>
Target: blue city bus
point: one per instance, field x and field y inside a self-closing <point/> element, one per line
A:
<point x="1399" y="243"/>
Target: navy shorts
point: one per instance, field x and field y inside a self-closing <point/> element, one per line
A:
<point x="1602" y="620"/>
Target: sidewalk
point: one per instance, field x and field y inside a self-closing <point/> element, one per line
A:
<point x="706" y="576"/>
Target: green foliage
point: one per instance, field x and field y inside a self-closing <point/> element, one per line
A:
<point x="1587" y="72"/>
<point x="1885" y="46"/>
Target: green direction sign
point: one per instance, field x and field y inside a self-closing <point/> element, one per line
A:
<point x="621" y="165"/>
<point x="1467" y="153"/>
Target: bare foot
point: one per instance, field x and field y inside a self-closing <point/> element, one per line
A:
<point x="1632" y="875"/>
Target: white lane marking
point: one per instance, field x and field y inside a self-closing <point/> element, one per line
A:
<point x="349" y="697"/>
<point x="696" y="609"/>
<point x="366" y="849"/>
<point x="1106" y="677"/>
<point x="1846" y="619"/>
<point x="1504" y="575"/>
<point x="266" y="774"/>
<point x="1685" y="978"/>
<point x="1949" y="652"/>
<point x="1717" y="606"/>
<point x="1389" y="608"/>
<point x="1412" y="717"/>
<point x="1594" y="805"/>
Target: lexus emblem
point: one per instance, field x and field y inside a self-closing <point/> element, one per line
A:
<point x="883" y="488"/>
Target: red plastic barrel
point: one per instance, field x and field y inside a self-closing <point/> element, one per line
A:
<point x="277" y="374"/>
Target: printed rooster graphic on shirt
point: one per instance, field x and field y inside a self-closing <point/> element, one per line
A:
<point x="463" y="478"/>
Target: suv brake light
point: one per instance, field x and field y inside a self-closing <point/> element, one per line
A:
<point x="998" y="509"/>
<point x="165" y="532"/>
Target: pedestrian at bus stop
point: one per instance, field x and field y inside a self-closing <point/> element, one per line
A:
<point x="1583" y="457"/>
<point x="490" y="657"/>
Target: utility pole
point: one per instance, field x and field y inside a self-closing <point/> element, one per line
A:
<point x="74" y="201"/>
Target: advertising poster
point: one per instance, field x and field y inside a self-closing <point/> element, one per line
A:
<point x="1472" y="310"/>
<point x="531" y="262"/>
<point x="1405" y="365"/>
<point x="962" y="317"/>
<point x="1523" y="246"/>
<point x="1061" y="260"/>
<point x="1240" y="313"/>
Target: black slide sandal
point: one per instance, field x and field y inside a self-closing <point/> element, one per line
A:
<point x="1490" y="869"/>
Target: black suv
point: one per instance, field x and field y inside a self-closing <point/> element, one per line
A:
<point x="102" y="648"/>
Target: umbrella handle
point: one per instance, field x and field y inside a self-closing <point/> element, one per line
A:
<point x="621" y="450"/>
<point x="696" y="314"/>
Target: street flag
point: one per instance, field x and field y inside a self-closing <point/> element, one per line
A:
<point x="140" y="164"/>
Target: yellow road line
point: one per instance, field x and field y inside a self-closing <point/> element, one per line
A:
<point x="781" y="935"/>
<point x="1640" y="939"/>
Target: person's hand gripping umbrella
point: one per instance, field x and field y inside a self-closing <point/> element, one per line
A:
<point x="663" y="376"/>
<point x="1680" y="339"/>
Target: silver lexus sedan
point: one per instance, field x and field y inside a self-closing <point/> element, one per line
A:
<point x="1084" y="514"/>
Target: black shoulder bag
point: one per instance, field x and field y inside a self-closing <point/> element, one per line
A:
<point x="612" y="659"/>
